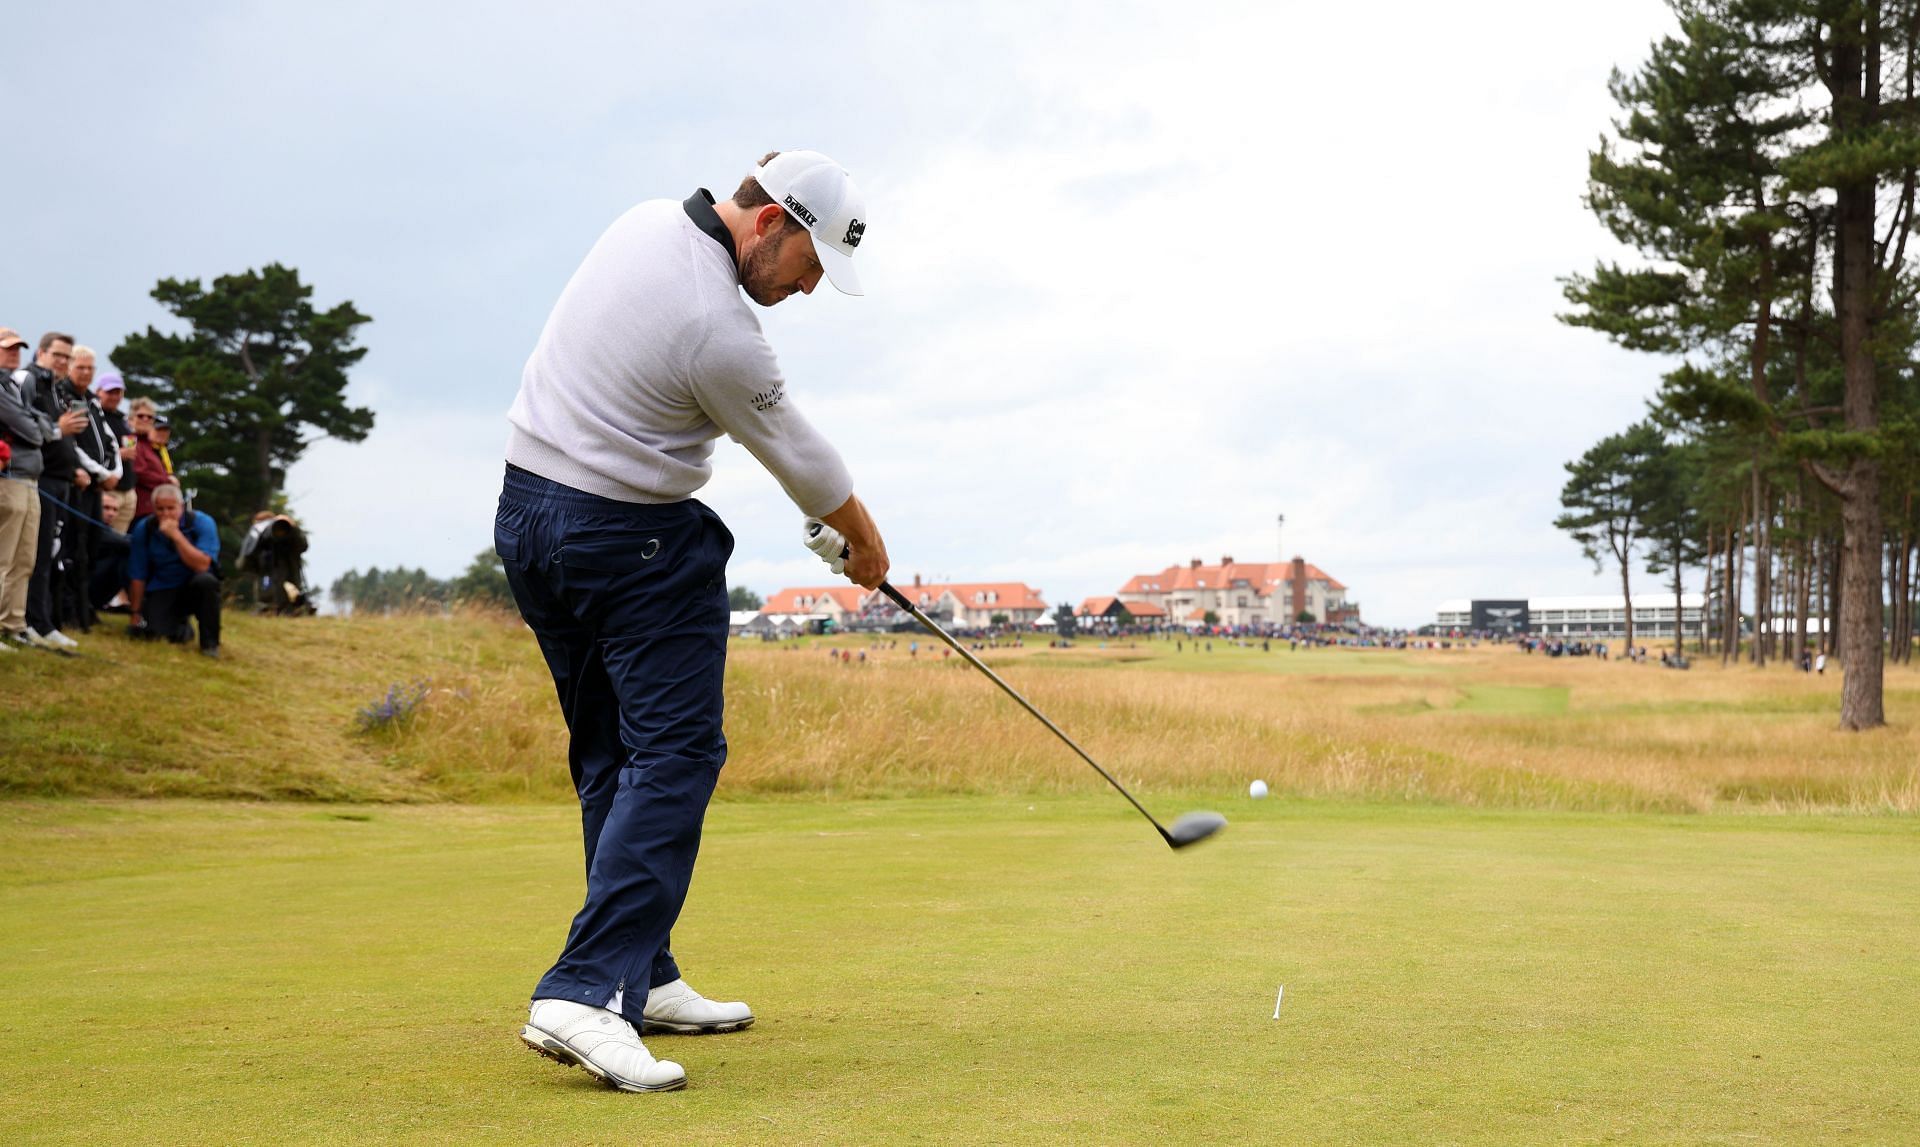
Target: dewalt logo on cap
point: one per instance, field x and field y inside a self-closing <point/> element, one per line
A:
<point x="800" y="209"/>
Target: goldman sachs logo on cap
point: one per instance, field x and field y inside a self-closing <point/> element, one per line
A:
<point x="800" y="211"/>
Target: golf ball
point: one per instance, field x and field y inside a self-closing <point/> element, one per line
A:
<point x="1257" y="789"/>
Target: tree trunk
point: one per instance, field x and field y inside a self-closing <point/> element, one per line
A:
<point x="1903" y="594"/>
<point x="1742" y="580"/>
<point x="1861" y="697"/>
<point x="1854" y="88"/>
<point x="1782" y="602"/>
<point x="1706" y="597"/>
<point x="1757" y="654"/>
<point x="1803" y="579"/>
<point x="263" y="455"/>
<point x="1835" y="607"/>
<point x="1901" y="618"/>
<point x="1817" y="569"/>
<point x="1679" y="611"/>
<point x="1627" y="593"/>
<point x="1736" y="568"/>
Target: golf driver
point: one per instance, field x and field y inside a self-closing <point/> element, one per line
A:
<point x="1190" y="828"/>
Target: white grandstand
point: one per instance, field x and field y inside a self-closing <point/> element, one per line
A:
<point x="1584" y="616"/>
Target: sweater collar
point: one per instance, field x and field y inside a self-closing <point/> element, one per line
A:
<point x="699" y="208"/>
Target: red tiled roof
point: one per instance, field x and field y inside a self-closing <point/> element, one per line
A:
<point x="1008" y="594"/>
<point x="1260" y="575"/>
<point x="1096" y="606"/>
<point x="1143" y="609"/>
<point x="848" y="597"/>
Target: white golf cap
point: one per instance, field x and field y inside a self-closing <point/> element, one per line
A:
<point x="821" y="195"/>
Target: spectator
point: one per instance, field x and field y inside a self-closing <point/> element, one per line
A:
<point x="24" y="430"/>
<point x="117" y="500"/>
<point x="45" y="387"/>
<point x="271" y="554"/>
<point x="109" y="554"/>
<point x="98" y="455"/>
<point x="149" y="470"/>
<point x="162" y="435"/>
<point x="170" y="573"/>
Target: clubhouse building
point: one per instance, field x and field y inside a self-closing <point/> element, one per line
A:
<point x="1239" y="594"/>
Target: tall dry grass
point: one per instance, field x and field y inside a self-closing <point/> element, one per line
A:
<point x="1327" y="724"/>
<point x="1487" y="727"/>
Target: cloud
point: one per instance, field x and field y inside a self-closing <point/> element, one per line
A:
<point x="1142" y="276"/>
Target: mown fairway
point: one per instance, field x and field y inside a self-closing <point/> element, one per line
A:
<point x="974" y="970"/>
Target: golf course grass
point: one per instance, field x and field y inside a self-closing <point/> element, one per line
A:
<point x="991" y="969"/>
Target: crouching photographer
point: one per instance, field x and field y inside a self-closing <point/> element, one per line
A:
<point x="170" y="576"/>
<point x="271" y="554"/>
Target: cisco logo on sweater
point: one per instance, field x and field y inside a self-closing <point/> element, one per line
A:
<point x="768" y="399"/>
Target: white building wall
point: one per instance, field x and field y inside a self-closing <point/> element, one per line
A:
<point x="1593" y="617"/>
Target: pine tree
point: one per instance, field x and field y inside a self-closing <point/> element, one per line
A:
<point x="259" y="376"/>
<point x="1610" y="493"/>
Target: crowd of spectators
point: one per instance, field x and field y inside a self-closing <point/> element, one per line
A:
<point x="92" y="519"/>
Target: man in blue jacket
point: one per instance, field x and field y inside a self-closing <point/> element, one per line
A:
<point x="170" y="573"/>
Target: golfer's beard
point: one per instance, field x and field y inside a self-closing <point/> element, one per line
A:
<point x="756" y="275"/>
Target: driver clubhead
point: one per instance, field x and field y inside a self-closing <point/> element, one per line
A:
<point x="1194" y="827"/>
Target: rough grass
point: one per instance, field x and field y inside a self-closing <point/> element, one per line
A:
<point x="981" y="970"/>
<point x="1478" y="727"/>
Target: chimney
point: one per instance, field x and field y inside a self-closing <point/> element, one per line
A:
<point x="1226" y="559"/>
<point x="1196" y="563"/>
<point x="1299" y="577"/>
<point x="916" y="581"/>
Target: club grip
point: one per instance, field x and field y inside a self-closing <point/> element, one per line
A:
<point x="813" y="531"/>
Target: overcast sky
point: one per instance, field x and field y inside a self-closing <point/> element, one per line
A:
<point x="1140" y="277"/>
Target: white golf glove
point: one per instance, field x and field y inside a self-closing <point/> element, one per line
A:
<point x="827" y="544"/>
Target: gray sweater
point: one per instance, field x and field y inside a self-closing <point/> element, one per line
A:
<point x="27" y="428"/>
<point x="652" y="353"/>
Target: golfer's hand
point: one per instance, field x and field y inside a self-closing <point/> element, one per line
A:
<point x="865" y="553"/>
<point x="827" y="545"/>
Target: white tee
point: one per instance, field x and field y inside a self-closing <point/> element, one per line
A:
<point x="650" y="354"/>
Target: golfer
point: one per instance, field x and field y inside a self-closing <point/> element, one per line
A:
<point x="651" y="354"/>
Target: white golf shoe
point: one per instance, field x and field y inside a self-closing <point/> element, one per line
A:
<point x="580" y="1035"/>
<point x="677" y="1008"/>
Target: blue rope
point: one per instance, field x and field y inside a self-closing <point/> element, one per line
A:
<point x="67" y="507"/>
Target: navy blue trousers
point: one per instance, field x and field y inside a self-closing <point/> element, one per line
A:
<point x="629" y="605"/>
